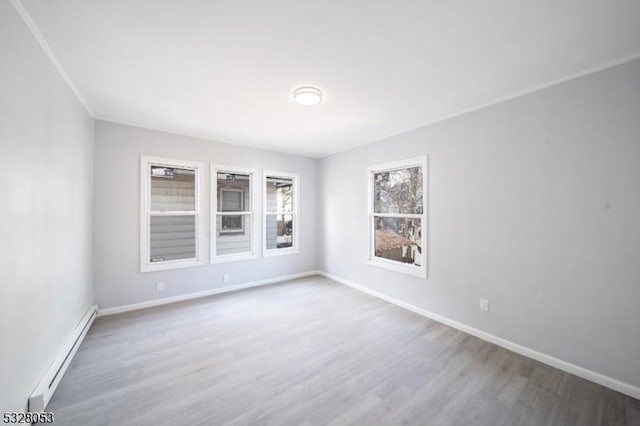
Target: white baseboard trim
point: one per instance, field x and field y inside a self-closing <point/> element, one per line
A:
<point x="198" y="294"/>
<point x="611" y="383"/>
<point x="42" y="394"/>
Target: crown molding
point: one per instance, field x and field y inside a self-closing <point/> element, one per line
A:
<point x="17" y="4"/>
<point x="533" y="89"/>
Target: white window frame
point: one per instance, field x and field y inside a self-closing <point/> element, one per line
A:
<point x="372" y="259"/>
<point x="294" y="249"/>
<point x="255" y="201"/>
<point x="230" y="212"/>
<point x="145" y="213"/>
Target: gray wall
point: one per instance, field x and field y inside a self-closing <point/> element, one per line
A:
<point x="534" y="204"/>
<point x="117" y="208"/>
<point x="46" y="143"/>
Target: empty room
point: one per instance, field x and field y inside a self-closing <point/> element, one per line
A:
<point x="320" y="213"/>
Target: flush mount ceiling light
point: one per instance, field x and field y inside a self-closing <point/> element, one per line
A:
<point x="307" y="95"/>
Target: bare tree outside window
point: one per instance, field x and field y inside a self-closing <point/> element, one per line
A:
<point x="398" y="191"/>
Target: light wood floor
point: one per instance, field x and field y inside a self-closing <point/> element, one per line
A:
<point x="313" y="352"/>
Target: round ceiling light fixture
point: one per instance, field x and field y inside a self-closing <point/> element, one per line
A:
<point x="307" y="95"/>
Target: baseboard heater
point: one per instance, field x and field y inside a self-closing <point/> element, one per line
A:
<point x="44" y="391"/>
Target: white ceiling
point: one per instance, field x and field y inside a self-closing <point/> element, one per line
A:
<point x="225" y="70"/>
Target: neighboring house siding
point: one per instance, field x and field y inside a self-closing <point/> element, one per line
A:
<point x="177" y="193"/>
<point x="173" y="237"/>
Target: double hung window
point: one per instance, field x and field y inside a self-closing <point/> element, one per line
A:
<point x="233" y="224"/>
<point x="171" y="232"/>
<point x="397" y="216"/>
<point x="280" y="213"/>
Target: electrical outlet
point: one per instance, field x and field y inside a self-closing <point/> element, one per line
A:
<point x="484" y="305"/>
<point x="159" y="287"/>
<point x="226" y="278"/>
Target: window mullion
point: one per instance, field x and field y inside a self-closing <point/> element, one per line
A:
<point x="174" y="213"/>
<point x="400" y="215"/>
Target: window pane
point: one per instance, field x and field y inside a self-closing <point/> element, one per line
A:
<point x="233" y="234"/>
<point x="172" y="238"/>
<point x="231" y="223"/>
<point x="279" y="194"/>
<point x="234" y="192"/>
<point x="279" y="231"/>
<point x="398" y="239"/>
<point x="398" y="191"/>
<point x="173" y="189"/>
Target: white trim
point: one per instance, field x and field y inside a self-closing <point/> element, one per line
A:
<point x="373" y="260"/>
<point x="282" y="251"/>
<point x="145" y="213"/>
<point x="227" y="258"/>
<point x="295" y="249"/>
<point x="171" y="264"/>
<point x="601" y="379"/>
<point x="254" y="175"/>
<point x="42" y="394"/>
<point x="496" y="101"/>
<point x="399" y="164"/>
<point x="205" y="293"/>
<point x="17" y="4"/>
<point x="392" y="265"/>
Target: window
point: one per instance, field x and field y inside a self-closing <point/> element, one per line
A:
<point x="397" y="216"/>
<point x="232" y="200"/>
<point x="232" y="222"/>
<point x="280" y="213"/>
<point x="171" y="234"/>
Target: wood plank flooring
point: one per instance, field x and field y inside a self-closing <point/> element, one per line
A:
<point x="313" y="352"/>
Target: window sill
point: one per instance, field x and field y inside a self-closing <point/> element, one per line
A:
<point x="175" y="264"/>
<point x="416" y="271"/>
<point x="232" y="258"/>
<point x="279" y="252"/>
